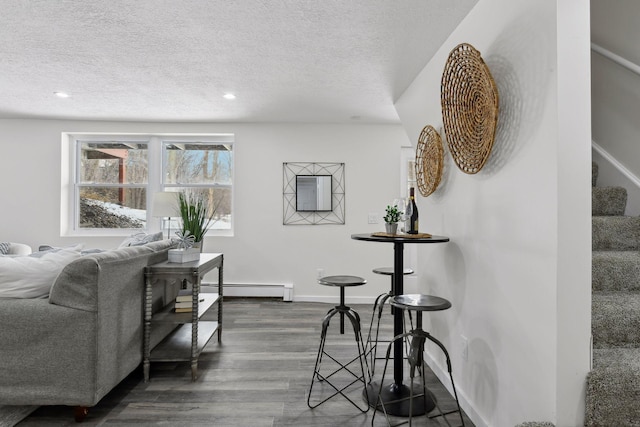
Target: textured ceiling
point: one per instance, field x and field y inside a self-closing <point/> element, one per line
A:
<point x="161" y="60"/>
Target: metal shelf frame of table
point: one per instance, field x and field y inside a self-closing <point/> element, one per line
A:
<point x="184" y="343"/>
<point x="397" y="390"/>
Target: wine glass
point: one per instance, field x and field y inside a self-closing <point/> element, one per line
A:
<point x="408" y="210"/>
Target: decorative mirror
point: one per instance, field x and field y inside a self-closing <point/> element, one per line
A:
<point x="313" y="193"/>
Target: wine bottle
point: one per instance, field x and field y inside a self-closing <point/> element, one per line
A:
<point x="413" y="221"/>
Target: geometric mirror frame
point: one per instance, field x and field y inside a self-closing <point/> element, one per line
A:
<point x="290" y="214"/>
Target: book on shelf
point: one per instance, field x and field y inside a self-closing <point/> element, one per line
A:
<point x="183" y="304"/>
<point x="184" y="310"/>
<point x="184" y="295"/>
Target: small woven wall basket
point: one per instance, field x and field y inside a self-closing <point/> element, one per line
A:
<point x="429" y="160"/>
<point x="469" y="99"/>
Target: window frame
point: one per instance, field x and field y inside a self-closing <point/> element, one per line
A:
<point x="70" y="185"/>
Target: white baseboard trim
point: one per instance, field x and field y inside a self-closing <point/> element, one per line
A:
<point x="335" y="299"/>
<point x="466" y="406"/>
<point x="284" y="290"/>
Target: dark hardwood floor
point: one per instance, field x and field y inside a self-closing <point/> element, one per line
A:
<point x="258" y="376"/>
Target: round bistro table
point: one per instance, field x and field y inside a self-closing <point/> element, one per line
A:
<point x="396" y="390"/>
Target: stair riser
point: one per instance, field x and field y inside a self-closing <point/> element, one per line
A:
<point x="615" y="271"/>
<point x="615" y="320"/>
<point x="608" y="201"/>
<point x="615" y="233"/>
<point x="613" y="389"/>
<point x="613" y="405"/>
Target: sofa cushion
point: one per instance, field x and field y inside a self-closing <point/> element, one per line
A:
<point x="29" y="277"/>
<point x="4" y="247"/>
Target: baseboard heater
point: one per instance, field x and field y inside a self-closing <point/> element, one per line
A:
<point x="284" y="290"/>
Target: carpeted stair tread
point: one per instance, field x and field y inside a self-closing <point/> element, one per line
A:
<point x="615" y="271"/>
<point x="615" y="319"/>
<point x="613" y="385"/>
<point x="613" y="388"/>
<point x="615" y="233"/>
<point x="607" y="201"/>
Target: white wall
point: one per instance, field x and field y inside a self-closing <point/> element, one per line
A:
<point x="616" y="95"/>
<point x="263" y="250"/>
<point x="517" y="269"/>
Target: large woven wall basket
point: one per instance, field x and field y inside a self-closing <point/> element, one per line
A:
<point x="469" y="99"/>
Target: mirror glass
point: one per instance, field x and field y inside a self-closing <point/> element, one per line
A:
<point x="313" y="193"/>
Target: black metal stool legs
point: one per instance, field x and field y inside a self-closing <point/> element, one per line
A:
<point x="380" y="405"/>
<point x="371" y="347"/>
<point x="453" y="385"/>
<point x="362" y="376"/>
<point x="416" y="363"/>
<point x="372" y="342"/>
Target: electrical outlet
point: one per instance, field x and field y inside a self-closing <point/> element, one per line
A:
<point x="373" y="218"/>
<point x="464" y="347"/>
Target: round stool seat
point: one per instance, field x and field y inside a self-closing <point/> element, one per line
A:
<point x="342" y="281"/>
<point x="388" y="271"/>
<point x="418" y="302"/>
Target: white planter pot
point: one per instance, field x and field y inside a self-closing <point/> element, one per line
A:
<point x="184" y="255"/>
<point x="391" y="228"/>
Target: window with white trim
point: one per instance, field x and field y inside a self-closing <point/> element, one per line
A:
<point x="113" y="180"/>
<point x="200" y="167"/>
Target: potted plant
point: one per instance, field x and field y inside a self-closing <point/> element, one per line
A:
<point x="195" y="213"/>
<point x="391" y="218"/>
<point x="196" y="217"/>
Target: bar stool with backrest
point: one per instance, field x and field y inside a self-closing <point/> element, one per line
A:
<point x="371" y="347"/>
<point x="344" y="368"/>
<point x="418" y="336"/>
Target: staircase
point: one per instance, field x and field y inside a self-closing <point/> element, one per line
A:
<point x="613" y="385"/>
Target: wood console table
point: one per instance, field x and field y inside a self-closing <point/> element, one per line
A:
<point x="191" y="334"/>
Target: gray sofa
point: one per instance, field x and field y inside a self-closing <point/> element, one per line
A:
<point x="75" y="346"/>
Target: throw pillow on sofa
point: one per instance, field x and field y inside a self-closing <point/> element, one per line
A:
<point x="44" y="249"/>
<point x="32" y="277"/>
<point x="139" y="239"/>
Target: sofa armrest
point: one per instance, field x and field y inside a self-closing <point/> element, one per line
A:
<point x="47" y="354"/>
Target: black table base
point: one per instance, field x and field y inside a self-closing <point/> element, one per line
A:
<point x="396" y="398"/>
<point x="396" y="390"/>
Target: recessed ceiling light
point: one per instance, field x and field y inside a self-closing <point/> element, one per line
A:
<point x="61" y="94"/>
<point x="229" y="96"/>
